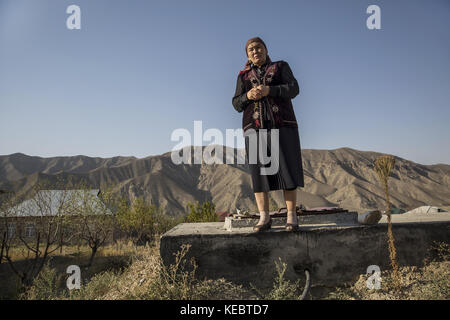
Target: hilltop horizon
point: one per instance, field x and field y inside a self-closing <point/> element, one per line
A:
<point x="241" y="149"/>
<point x="341" y="177"/>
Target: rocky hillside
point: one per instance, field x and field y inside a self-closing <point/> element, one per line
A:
<point x="342" y="177"/>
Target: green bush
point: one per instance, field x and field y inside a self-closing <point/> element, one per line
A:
<point x="205" y="212"/>
<point x="142" y="221"/>
<point x="282" y="289"/>
<point x="48" y="285"/>
<point x="96" y="287"/>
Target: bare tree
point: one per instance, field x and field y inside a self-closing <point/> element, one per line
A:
<point x="5" y="232"/>
<point x="45" y="211"/>
<point x="2" y="245"/>
<point x="94" y="216"/>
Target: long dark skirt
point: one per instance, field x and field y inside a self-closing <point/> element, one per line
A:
<point x="290" y="169"/>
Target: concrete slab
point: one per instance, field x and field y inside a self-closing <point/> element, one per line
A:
<point x="417" y="217"/>
<point x="427" y="209"/>
<point x="333" y="253"/>
<point x="341" y="218"/>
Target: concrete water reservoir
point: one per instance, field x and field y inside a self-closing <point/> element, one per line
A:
<point x="333" y="252"/>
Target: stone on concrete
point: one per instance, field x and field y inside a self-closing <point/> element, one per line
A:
<point x="369" y="217"/>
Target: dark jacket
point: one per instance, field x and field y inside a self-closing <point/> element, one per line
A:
<point x="277" y="105"/>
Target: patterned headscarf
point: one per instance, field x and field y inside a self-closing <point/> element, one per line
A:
<point x="248" y="63"/>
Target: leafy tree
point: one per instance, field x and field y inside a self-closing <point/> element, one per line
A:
<point x="143" y="221"/>
<point x="205" y="212"/>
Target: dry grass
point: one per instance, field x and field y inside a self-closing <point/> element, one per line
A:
<point x="111" y="257"/>
<point x="430" y="282"/>
<point x="148" y="278"/>
<point x="144" y="276"/>
<point x="121" y="248"/>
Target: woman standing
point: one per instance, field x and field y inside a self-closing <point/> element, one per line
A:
<point x="264" y="91"/>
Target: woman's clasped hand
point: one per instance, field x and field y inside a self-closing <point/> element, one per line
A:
<point x="258" y="92"/>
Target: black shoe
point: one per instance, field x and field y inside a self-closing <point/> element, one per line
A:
<point x="292" y="227"/>
<point x="262" y="227"/>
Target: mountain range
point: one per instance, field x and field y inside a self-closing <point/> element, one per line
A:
<point x="341" y="177"/>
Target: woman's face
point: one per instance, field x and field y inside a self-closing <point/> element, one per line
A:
<point x="257" y="53"/>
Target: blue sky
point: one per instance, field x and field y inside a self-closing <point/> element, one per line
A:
<point x="137" y="70"/>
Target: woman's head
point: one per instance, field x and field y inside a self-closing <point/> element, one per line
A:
<point x="256" y="51"/>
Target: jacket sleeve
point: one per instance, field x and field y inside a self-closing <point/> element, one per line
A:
<point x="289" y="88"/>
<point x="240" y="100"/>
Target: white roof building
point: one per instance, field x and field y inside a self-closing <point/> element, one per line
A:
<point x="48" y="203"/>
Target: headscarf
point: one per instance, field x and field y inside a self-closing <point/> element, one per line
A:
<point x="248" y="63"/>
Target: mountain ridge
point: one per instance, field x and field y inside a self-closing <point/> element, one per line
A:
<point x="338" y="177"/>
